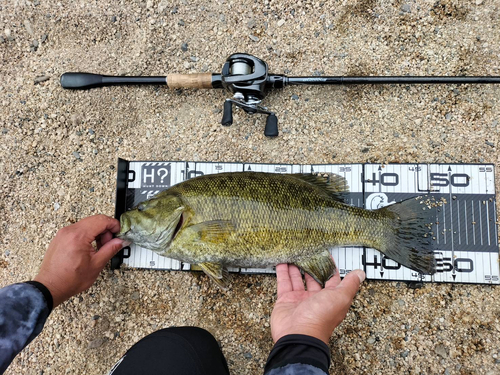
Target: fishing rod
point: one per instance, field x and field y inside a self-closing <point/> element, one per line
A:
<point x="248" y="79"/>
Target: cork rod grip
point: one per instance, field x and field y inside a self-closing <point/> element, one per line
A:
<point x="189" y="81"/>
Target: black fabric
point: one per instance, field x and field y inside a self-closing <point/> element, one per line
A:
<point x="302" y="349"/>
<point x="46" y="293"/>
<point x="175" y="350"/>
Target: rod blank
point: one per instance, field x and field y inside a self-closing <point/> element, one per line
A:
<point x="339" y="80"/>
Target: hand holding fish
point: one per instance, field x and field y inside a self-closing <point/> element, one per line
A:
<point x="316" y="311"/>
<point x="71" y="264"/>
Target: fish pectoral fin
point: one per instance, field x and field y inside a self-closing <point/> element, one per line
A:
<point x="335" y="186"/>
<point x="216" y="272"/>
<point x="214" y="231"/>
<point x="321" y="267"/>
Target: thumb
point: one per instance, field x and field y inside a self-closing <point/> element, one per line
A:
<point x="352" y="281"/>
<point x="108" y="251"/>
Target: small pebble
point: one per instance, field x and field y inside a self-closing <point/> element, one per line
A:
<point x="97" y="343"/>
<point x="406" y="8"/>
<point x="41" y="79"/>
<point x="441" y="350"/>
<point x="135" y="296"/>
<point x="27" y="25"/>
<point x="184" y="47"/>
<point x="76" y="154"/>
<point x="254" y="38"/>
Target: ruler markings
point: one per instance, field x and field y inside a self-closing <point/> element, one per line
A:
<point x="458" y="221"/>
<point x="481" y="221"/>
<point x="407" y="181"/>
<point x="473" y="222"/>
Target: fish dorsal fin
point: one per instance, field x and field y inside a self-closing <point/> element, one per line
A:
<point x="213" y="231"/>
<point x="321" y="267"/>
<point x="334" y="185"/>
<point x="216" y="272"/>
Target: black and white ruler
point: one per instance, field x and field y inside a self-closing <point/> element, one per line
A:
<point x="466" y="244"/>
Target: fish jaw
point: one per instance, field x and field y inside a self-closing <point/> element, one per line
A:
<point x="149" y="233"/>
<point x="124" y="227"/>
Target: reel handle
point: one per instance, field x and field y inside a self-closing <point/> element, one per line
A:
<point x="227" y="115"/>
<point x="271" y="129"/>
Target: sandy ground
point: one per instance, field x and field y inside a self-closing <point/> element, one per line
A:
<point x="58" y="152"/>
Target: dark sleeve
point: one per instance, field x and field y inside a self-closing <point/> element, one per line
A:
<point x="298" y="355"/>
<point x="24" y="308"/>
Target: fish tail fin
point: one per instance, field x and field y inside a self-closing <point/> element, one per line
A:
<point x="408" y="239"/>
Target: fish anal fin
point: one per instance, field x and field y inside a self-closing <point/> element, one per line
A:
<point x="321" y="267"/>
<point x="332" y="184"/>
<point x="214" y="231"/>
<point x="216" y="272"/>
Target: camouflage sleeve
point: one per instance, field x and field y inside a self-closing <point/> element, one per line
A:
<point x="298" y="355"/>
<point x="24" y="308"/>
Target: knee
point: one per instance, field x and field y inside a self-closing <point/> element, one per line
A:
<point x="188" y="332"/>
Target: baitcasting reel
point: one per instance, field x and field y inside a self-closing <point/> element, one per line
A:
<point x="246" y="77"/>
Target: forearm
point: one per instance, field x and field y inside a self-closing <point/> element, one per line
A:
<point x="298" y="355"/>
<point x="24" y="308"/>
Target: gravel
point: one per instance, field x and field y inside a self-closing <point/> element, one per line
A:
<point x="392" y="328"/>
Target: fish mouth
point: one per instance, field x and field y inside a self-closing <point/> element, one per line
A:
<point x="125" y="226"/>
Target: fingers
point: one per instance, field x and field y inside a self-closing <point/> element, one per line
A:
<point x="350" y="285"/>
<point x="296" y="278"/>
<point x="283" y="279"/>
<point x="311" y="284"/>
<point x="334" y="280"/>
<point x="107" y="252"/>
<point x="95" y="225"/>
<point x="104" y="238"/>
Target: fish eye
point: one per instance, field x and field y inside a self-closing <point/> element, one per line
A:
<point x="141" y="207"/>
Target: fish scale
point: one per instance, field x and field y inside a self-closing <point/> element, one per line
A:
<point x="253" y="219"/>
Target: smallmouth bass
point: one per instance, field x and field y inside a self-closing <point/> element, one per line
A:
<point x="254" y="219"/>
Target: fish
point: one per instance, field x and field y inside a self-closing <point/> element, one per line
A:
<point x="258" y="220"/>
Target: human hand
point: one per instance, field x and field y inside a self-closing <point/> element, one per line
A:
<point x="315" y="311"/>
<point x="71" y="264"/>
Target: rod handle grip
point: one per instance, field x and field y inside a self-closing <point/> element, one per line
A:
<point x="189" y="81"/>
<point x="81" y="81"/>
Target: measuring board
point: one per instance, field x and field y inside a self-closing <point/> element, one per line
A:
<point x="466" y="237"/>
